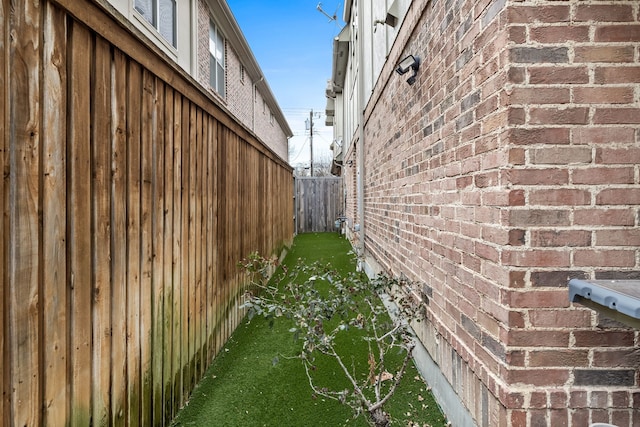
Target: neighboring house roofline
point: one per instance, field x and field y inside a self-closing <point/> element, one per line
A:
<point x="227" y="22"/>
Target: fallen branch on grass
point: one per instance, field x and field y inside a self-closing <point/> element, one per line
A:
<point x="324" y="305"/>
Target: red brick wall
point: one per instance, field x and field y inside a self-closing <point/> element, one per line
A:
<point x="509" y="167"/>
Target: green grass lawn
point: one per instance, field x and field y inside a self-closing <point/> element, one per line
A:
<point x="257" y="381"/>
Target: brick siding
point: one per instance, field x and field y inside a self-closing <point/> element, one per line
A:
<point x="239" y="97"/>
<point x="239" y="90"/>
<point x="511" y="166"/>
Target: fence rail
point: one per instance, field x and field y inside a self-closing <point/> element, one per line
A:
<point x="318" y="203"/>
<point x="127" y="198"/>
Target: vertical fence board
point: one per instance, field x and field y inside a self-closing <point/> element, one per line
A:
<point x="119" y="240"/>
<point x="211" y="212"/>
<point x="215" y="155"/>
<point x="146" y="327"/>
<point x="134" y="90"/>
<point x="268" y="188"/>
<point x="230" y="217"/>
<point x="157" y="233"/>
<point x="222" y="238"/>
<point x="101" y="171"/>
<point x="197" y="241"/>
<point x="208" y="254"/>
<point x="191" y="244"/>
<point x="55" y="321"/>
<point x="168" y="258"/>
<point x="4" y="228"/>
<point x="204" y="188"/>
<point x="79" y="217"/>
<point x="178" y="315"/>
<point x="236" y="227"/>
<point x="243" y="219"/>
<point x="185" y="281"/>
<point x="23" y="256"/>
<point x="206" y="276"/>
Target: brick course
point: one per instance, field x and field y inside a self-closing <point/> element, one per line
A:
<point x="510" y="167"/>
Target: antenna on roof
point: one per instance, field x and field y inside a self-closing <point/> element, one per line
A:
<point x="331" y="18"/>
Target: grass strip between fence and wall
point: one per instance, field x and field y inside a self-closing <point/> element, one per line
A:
<point x="256" y="380"/>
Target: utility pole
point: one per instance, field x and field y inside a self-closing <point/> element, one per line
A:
<point x="311" y="140"/>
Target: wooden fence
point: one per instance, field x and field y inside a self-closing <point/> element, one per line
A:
<point x="318" y="203"/>
<point x="127" y="198"/>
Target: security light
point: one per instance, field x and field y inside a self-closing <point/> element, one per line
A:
<point x="409" y="63"/>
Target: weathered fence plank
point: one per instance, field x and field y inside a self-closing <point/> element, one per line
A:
<point x="318" y="203"/>
<point x="119" y="308"/>
<point x="101" y="230"/>
<point x="79" y="149"/>
<point x="191" y="243"/>
<point x="210" y="197"/>
<point x="169" y="264"/>
<point x="184" y="259"/>
<point x="176" y="365"/>
<point x="54" y="206"/>
<point x="23" y="263"/>
<point x="147" y="120"/>
<point x="157" y="249"/>
<point x="4" y="226"/>
<point x="133" y="241"/>
<point x="198" y="242"/>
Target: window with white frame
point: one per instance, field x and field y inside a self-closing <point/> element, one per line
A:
<point x="216" y="59"/>
<point x="161" y="14"/>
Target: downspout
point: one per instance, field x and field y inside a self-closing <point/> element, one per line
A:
<point x="360" y="147"/>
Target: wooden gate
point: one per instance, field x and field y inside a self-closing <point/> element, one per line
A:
<point x="318" y="203"/>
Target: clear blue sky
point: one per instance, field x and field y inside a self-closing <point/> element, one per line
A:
<point x="293" y="42"/>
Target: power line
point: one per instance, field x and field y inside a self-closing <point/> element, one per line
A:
<point x="300" y="151"/>
<point x="301" y="110"/>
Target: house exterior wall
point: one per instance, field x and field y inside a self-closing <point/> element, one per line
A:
<point x="202" y="45"/>
<point x="265" y="124"/>
<point x="182" y="53"/>
<point x="240" y="90"/>
<point x="509" y="167"/>
<point x="244" y="95"/>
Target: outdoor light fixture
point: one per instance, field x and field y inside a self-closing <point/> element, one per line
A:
<point x="409" y="63"/>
